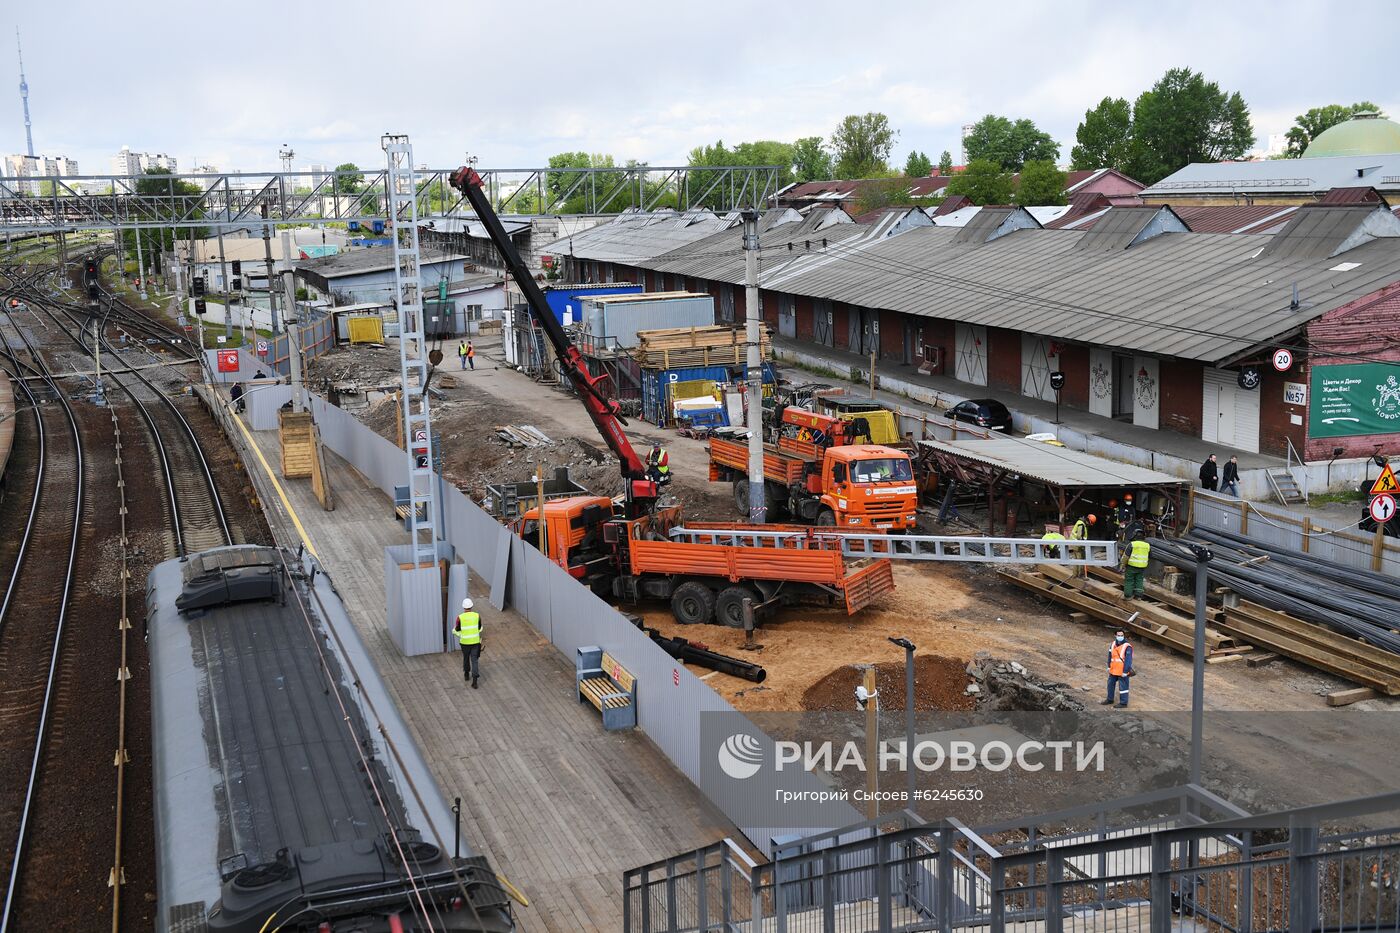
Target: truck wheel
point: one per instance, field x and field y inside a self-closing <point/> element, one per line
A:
<point x="741" y="495"/>
<point x="729" y="606"/>
<point x="693" y="603"/>
<point x="826" y="518"/>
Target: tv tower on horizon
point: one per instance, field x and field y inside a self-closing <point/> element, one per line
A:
<point x="24" y="96"/>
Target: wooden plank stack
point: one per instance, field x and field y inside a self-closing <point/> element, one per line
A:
<point x="1166" y="618"/>
<point x="686" y="347"/>
<point x="1314" y="645"/>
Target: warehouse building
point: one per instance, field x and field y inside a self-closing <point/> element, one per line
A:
<point x="1151" y="324"/>
<point x="367" y="276"/>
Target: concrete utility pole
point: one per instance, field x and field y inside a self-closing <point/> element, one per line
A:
<point x="909" y="649"/>
<point x="1198" y="662"/>
<point x="753" y="335"/>
<point x="271" y="272"/>
<point x="140" y="266"/>
<point x="293" y="321"/>
<point x="224" y="288"/>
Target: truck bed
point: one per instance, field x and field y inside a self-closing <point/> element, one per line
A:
<point x="778" y="467"/>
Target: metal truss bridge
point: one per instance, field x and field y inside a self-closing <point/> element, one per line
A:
<point x="224" y="201"/>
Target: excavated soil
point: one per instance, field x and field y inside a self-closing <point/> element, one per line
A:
<point x="939" y="684"/>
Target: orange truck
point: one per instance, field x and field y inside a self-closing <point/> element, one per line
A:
<point x="814" y="475"/>
<point x="635" y="560"/>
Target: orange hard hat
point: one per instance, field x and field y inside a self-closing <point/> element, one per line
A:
<point x="1093" y="518"/>
<point x="1112" y="503"/>
<point x="1128" y="497"/>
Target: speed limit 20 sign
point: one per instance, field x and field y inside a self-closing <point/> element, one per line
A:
<point x="1283" y="360"/>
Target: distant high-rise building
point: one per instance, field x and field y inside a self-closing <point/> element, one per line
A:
<point x="24" y="167"/>
<point x="24" y="96"/>
<point x="126" y="162"/>
<point x="317" y="173"/>
<point x="966" y="132"/>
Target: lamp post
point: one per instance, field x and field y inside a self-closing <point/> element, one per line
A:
<point x="908" y="647"/>
<point x="1198" y="667"/>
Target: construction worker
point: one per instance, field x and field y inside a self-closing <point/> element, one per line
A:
<point x="235" y="395"/>
<point x="658" y="464"/>
<point x="471" y="355"/>
<point x="1126" y="512"/>
<point x="1080" y="530"/>
<point x="1053" y="551"/>
<point x="1136" y="558"/>
<point x="468" y="631"/>
<point x="462" y="353"/>
<point x="1120" y="668"/>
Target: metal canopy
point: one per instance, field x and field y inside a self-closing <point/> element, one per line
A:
<point x="1054" y="466"/>
<point x="228" y="200"/>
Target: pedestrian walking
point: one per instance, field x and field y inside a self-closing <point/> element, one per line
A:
<point x="1209" y="473"/>
<point x="1120" y="668"/>
<point x="462" y="353"/>
<point x="1135" y="566"/>
<point x="468" y="631"/>
<point x="235" y="395"/>
<point x="471" y="355"/>
<point x="1230" y="478"/>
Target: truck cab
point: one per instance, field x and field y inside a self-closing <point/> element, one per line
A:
<point x="573" y="530"/>
<point x="868" y="486"/>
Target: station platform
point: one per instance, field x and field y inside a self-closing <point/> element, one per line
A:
<point x="561" y="807"/>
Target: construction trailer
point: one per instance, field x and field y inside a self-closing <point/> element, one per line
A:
<point x="612" y="322"/>
<point x="1023" y="483"/>
<point x="566" y="300"/>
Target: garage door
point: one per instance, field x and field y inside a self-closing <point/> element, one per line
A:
<point x="1037" y="364"/>
<point x="787" y="316"/>
<point x="1229" y="414"/>
<point x="863" y="330"/>
<point x="970" y="365"/>
<point x="726" y="303"/>
<point x="822" y="330"/>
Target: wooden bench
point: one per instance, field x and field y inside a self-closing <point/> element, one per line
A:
<point x="608" y="686"/>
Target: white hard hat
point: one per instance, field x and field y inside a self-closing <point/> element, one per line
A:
<point x="466" y="604"/>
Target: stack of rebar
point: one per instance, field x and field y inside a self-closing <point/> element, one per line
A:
<point x="1329" y="615"/>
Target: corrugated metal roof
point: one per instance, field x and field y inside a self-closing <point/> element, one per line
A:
<point x="1194" y="295"/>
<point x="1357" y="195"/>
<point x="1319" y="231"/>
<point x="641" y="235"/>
<point x="375" y="259"/>
<point x="1235" y="218"/>
<point x="1122" y="227"/>
<point x="1058" y="466"/>
<point x="471" y="226"/>
<point x="642" y="296"/>
<point x="1282" y="176"/>
<point x="720" y="257"/>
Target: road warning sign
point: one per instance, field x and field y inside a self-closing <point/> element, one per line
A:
<point x="1382" y="508"/>
<point x="1386" y="482"/>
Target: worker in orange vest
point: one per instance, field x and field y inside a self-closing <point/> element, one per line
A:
<point x="471" y="355"/>
<point x="1120" y="668"/>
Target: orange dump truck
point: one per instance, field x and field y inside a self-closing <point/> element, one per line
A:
<point x="631" y="560"/>
<point x="813" y="476"/>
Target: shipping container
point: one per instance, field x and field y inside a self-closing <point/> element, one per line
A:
<point x="613" y="322"/>
<point x="568" y="299"/>
<point x="658" y="386"/>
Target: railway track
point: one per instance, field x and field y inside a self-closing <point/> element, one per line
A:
<point x="35" y="613"/>
<point x="199" y="520"/>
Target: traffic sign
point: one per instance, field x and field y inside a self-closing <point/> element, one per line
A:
<point x="1283" y="360"/>
<point x="1386" y="482"/>
<point x="1382" y="508"/>
<point x="262" y="348"/>
<point x="420" y="436"/>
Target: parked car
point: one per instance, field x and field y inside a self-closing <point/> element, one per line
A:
<point x="983" y="412"/>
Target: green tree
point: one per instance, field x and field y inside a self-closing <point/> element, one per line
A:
<point x="861" y="145"/>
<point x="352" y="181"/>
<point x="575" y="185"/>
<point x="170" y="199"/>
<point x="1183" y="119"/>
<point x="1041" y="184"/>
<point x="810" y="160"/>
<point x="1105" y="138"/>
<point x="945" y="163"/>
<point x="876" y="193"/>
<point x="1308" y="125"/>
<point x="918" y="165"/>
<point x="983" y="181"/>
<point x="1009" y="144"/>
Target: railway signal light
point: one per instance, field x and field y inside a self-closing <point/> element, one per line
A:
<point x="91" y="268"/>
<point x="237" y="268"/>
<point x="237" y="283"/>
<point x="198" y="285"/>
<point x="200" y="306"/>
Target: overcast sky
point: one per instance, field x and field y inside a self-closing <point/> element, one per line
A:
<point x="513" y="83"/>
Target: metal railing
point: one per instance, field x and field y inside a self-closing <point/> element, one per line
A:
<point x="1302" y="870"/>
<point x="1292" y="458"/>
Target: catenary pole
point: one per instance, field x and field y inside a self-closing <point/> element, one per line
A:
<point x="753" y="335"/>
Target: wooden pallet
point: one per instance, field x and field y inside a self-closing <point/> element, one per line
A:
<point x="295" y="431"/>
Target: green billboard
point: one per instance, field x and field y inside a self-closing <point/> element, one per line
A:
<point x="1355" y="398"/>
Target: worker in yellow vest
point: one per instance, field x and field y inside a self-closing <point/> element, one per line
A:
<point x="1139" y="553"/>
<point x="1120" y="668"/>
<point x="1054" y="549"/>
<point x="468" y="631"/>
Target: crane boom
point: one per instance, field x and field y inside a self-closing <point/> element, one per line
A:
<point x="641" y="491"/>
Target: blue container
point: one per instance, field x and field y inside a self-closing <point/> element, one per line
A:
<point x="561" y="297"/>
<point x="656" y="395"/>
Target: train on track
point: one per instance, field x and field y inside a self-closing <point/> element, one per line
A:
<point x="289" y="794"/>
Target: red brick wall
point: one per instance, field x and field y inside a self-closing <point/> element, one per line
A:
<point x="1004" y="359"/>
<point x="1074" y="363"/>
<point x="769" y="302"/>
<point x="938" y="332"/>
<point x="1182" y="397"/>
<point x="891" y="335"/>
<point x="840" y="324"/>
<point x="1362" y="328"/>
<point x="802" y="307"/>
<point x="1275" y="417"/>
